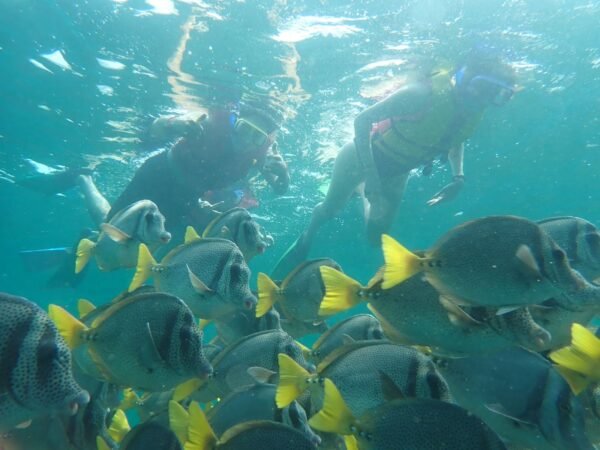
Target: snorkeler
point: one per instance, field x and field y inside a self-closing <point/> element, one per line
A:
<point x="216" y="151"/>
<point x="422" y="121"/>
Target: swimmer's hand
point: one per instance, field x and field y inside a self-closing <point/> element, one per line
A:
<point x="449" y="191"/>
<point x="276" y="172"/>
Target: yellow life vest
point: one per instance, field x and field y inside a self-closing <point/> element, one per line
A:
<point x="414" y="141"/>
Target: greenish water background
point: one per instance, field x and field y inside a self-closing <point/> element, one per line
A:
<point x="537" y="157"/>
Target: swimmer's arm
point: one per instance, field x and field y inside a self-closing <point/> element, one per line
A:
<point x="455" y="159"/>
<point x="275" y="171"/>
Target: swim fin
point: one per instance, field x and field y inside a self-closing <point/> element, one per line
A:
<point x="293" y="256"/>
<point x="43" y="259"/>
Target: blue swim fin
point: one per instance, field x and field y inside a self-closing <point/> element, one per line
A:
<point x="44" y="259"/>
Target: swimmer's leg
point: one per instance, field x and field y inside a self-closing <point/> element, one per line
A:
<point x="98" y="207"/>
<point x="393" y="191"/>
<point x="344" y="180"/>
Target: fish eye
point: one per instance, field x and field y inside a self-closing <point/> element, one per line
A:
<point x="377" y="333"/>
<point x="151" y="218"/>
<point x="235" y="272"/>
<point x="47" y="351"/>
<point x="559" y="254"/>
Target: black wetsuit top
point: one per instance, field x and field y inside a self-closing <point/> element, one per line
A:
<point x="209" y="159"/>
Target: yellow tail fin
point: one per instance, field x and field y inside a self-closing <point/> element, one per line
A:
<point x="267" y="294"/>
<point x="144" y="267"/>
<point x="335" y="416"/>
<point x="84" y="252"/>
<point x="585" y="342"/>
<point x="577" y="381"/>
<point x="400" y="263"/>
<point x="119" y="426"/>
<point x="186" y="388"/>
<point x="68" y="326"/>
<point x="179" y="421"/>
<point x="130" y="399"/>
<point x="200" y="434"/>
<point x="341" y="291"/>
<point x="293" y="381"/>
<point x="351" y="443"/>
<point x="101" y="444"/>
<point x="84" y="307"/>
<point x="190" y="235"/>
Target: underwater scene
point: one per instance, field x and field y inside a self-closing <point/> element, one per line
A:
<point x="299" y="224"/>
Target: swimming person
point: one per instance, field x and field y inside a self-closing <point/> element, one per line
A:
<point x="426" y="119"/>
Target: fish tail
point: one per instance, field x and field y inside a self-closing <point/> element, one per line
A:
<point x="200" y="435"/>
<point x="577" y="382"/>
<point x="292" y="381"/>
<point x="101" y="444"/>
<point x="267" y="294"/>
<point x="144" y="267"/>
<point x="190" y="235"/>
<point x="84" y="253"/>
<point x="341" y="291"/>
<point x="335" y="416"/>
<point x="186" y="388"/>
<point x="584" y="341"/>
<point x="351" y="443"/>
<point x="119" y="426"/>
<point x="400" y="263"/>
<point x="84" y="307"/>
<point x="179" y="421"/>
<point x="69" y="327"/>
<point x="130" y="399"/>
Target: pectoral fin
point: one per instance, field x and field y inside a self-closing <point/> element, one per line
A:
<point x="456" y="314"/>
<point x="528" y="264"/>
<point x="115" y="233"/>
<point x="197" y="283"/>
<point x="500" y="410"/>
<point x="149" y="355"/>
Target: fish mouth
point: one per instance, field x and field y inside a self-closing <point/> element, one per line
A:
<point x="165" y="238"/>
<point x="250" y="303"/>
<point x="77" y="401"/>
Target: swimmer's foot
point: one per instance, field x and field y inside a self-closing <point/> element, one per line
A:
<point x="294" y="255"/>
<point x="54" y="182"/>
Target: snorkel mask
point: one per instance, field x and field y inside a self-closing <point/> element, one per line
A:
<point x="249" y="136"/>
<point x="485" y="89"/>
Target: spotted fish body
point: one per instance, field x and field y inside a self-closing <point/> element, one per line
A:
<point x="256" y="350"/>
<point x="35" y="365"/>
<point x="520" y="396"/>
<point x="580" y="239"/>
<point x="148" y="341"/>
<point x="356" y="370"/>
<point x="150" y="435"/>
<point x="221" y="267"/>
<point x="240" y="227"/>
<point x="499" y="261"/>
<point x="264" y="435"/>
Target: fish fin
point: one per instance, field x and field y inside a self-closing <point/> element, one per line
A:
<point x="529" y="265"/>
<point x="179" y="421"/>
<point x="191" y="235"/>
<point x="351" y="442"/>
<point x="197" y="283"/>
<point x="130" y="399"/>
<point x="84" y="253"/>
<point x="101" y="444"/>
<point x="292" y="380"/>
<point x="203" y="323"/>
<point x="335" y="416"/>
<point x="225" y="232"/>
<point x="69" y="327"/>
<point x="267" y="294"/>
<point x="84" y="307"/>
<point x="200" y="434"/>
<point x="457" y="316"/>
<point x="115" y="234"/>
<point x="23" y="425"/>
<point x="388" y="329"/>
<point x="144" y="267"/>
<point x="119" y="426"/>
<point x="400" y="263"/>
<point x="497" y="408"/>
<point x="577" y="382"/>
<point x="584" y="341"/>
<point x="149" y="355"/>
<point x="341" y="291"/>
<point x="261" y="374"/>
<point x="347" y="339"/>
<point x="507" y="309"/>
<point x="306" y="352"/>
<point x="391" y="391"/>
<point x="186" y="388"/>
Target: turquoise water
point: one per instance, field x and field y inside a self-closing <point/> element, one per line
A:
<point x="80" y="81"/>
<point x="309" y="61"/>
